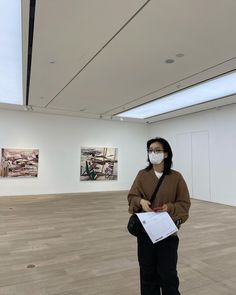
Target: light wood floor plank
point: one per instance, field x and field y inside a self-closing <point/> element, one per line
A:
<point x="80" y="246"/>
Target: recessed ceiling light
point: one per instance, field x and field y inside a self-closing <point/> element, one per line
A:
<point x="215" y="88"/>
<point x="28" y="108"/>
<point x="169" y="61"/>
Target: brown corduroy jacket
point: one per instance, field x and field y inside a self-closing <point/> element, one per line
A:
<point x="173" y="192"/>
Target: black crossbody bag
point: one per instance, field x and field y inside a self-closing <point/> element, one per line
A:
<point x="134" y="225"/>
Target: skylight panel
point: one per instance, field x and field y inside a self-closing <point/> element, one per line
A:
<point x="215" y="88"/>
<point x="11" y="86"/>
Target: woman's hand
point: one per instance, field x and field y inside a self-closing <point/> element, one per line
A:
<point x="162" y="208"/>
<point x="146" y="205"/>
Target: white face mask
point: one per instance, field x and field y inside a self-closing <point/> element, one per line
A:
<point x="156" y="158"/>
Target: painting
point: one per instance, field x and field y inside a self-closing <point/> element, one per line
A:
<point x="19" y="163"/>
<point x="98" y="163"/>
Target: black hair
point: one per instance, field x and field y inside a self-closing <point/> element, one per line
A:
<point x="166" y="148"/>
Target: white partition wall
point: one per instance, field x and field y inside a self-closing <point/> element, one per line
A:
<point x="204" y="151"/>
<point x="200" y="165"/>
<point x="59" y="140"/>
<point x="184" y="160"/>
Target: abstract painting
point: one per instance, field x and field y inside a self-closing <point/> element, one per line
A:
<point x="19" y="163"/>
<point x="98" y="163"/>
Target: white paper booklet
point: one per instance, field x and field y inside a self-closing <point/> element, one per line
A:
<point x="158" y="225"/>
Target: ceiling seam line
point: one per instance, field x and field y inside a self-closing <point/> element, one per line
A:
<point x="99" y="51"/>
<point x="30" y="46"/>
<point x="171" y="84"/>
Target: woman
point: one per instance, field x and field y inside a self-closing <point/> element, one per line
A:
<point x="158" y="262"/>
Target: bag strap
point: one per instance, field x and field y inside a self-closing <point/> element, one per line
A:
<point x="156" y="189"/>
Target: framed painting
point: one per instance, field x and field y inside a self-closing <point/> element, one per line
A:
<point x="19" y="162"/>
<point x="98" y="163"/>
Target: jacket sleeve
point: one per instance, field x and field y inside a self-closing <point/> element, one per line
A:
<point x="179" y="210"/>
<point x="134" y="196"/>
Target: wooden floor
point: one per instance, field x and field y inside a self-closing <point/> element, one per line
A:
<point x="78" y="245"/>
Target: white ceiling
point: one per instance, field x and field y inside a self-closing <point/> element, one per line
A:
<point x="97" y="58"/>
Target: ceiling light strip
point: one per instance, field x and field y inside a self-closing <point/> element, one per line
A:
<point x="11" y="85"/>
<point x="212" y="89"/>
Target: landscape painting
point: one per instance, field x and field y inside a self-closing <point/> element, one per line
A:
<point x="19" y="162"/>
<point x="98" y="163"/>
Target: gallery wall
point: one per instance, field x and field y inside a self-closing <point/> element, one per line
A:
<point x="59" y="139"/>
<point x="203" y="145"/>
<point x="204" y="151"/>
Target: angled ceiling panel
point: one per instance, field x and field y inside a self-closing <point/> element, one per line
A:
<point x="133" y="64"/>
<point x="67" y="34"/>
<point x="97" y="58"/>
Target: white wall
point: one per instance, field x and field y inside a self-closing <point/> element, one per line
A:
<point x="59" y="139"/>
<point x="216" y="130"/>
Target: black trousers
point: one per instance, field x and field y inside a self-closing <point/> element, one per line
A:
<point x="158" y="264"/>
